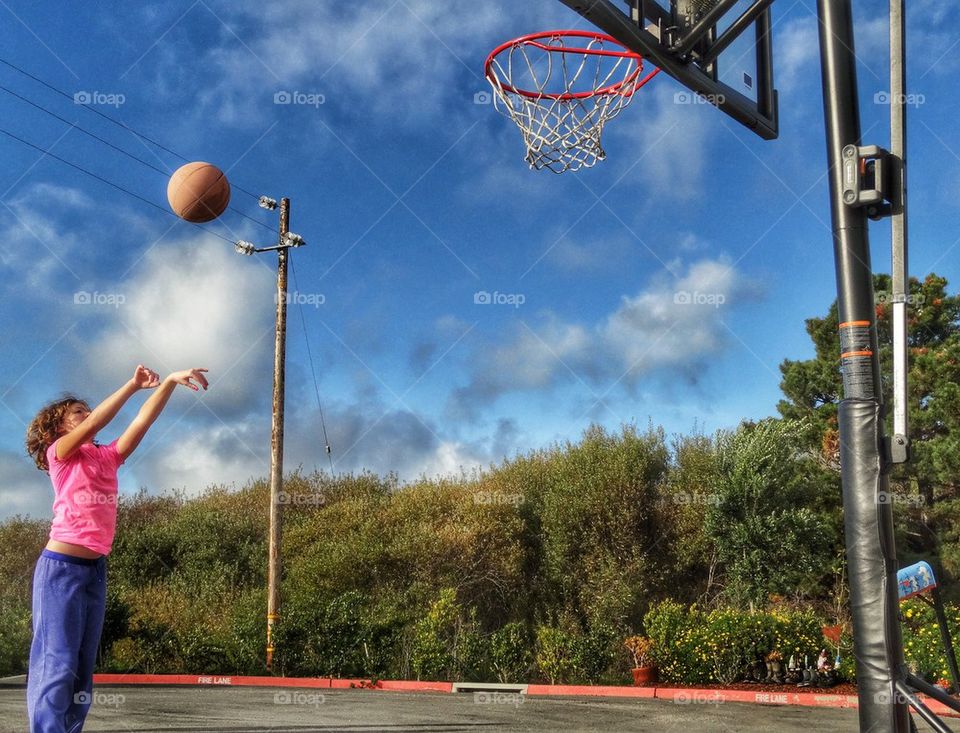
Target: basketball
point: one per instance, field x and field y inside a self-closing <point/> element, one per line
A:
<point x="198" y="192"/>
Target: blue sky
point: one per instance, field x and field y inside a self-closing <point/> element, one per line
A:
<point x="413" y="198"/>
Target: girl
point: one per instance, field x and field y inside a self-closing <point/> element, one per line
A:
<point x="69" y="583"/>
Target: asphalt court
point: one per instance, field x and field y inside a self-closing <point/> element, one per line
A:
<point x="129" y="709"/>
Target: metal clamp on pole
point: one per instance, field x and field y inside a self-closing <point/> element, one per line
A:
<point x="866" y="181"/>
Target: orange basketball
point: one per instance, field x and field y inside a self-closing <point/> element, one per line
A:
<point x="198" y="192"/>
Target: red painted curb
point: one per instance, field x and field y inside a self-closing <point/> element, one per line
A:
<point x="690" y="696"/>
<point x="414" y="686"/>
<point x="238" y="681"/>
<point x="678" y="695"/>
<point x="592" y="690"/>
<point x="212" y="680"/>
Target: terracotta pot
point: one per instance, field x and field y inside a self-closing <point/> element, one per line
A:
<point x="644" y="675"/>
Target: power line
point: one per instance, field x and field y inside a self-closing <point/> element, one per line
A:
<point x="72" y="124"/>
<point x="130" y="155"/>
<point x="105" y="116"/>
<point x="47" y="153"/>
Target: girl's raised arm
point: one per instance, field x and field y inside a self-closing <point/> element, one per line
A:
<point x="128" y="442"/>
<point x="103" y="413"/>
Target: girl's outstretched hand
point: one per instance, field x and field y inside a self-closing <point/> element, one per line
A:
<point x="187" y="376"/>
<point x="145" y="378"/>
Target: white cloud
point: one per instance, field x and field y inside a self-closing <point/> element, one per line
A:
<point x="674" y="323"/>
<point x="197" y="457"/>
<point x="796" y="56"/>
<point x="23" y="489"/>
<point x="194" y="303"/>
<point x="672" y="326"/>
<point x="36" y="249"/>
<point x="365" y="434"/>
<point x="401" y="62"/>
<point x="661" y="144"/>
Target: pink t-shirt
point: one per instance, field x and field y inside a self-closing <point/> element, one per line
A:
<point x="85" y="495"/>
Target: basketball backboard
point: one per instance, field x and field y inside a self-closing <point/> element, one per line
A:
<point x="721" y="50"/>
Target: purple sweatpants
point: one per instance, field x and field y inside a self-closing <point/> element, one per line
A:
<point x="69" y="600"/>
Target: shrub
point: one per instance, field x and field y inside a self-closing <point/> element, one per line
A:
<point x="694" y="646"/>
<point x="511" y="657"/>
<point x="566" y="653"/>
<point x="447" y="644"/>
<point x="15" y="635"/>
<point x="923" y="650"/>
<point x="556" y="654"/>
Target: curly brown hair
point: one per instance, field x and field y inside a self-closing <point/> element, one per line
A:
<point x="45" y="428"/>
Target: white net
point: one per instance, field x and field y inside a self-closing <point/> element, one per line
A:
<point x="561" y="90"/>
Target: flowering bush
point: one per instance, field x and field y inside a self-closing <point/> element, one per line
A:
<point x="695" y="646"/>
<point x="923" y="649"/>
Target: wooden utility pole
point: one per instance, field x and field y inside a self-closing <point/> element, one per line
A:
<point x="276" y="434"/>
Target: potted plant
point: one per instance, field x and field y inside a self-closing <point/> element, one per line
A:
<point x="643" y="670"/>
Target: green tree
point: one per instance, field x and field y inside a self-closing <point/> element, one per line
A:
<point x="813" y="388"/>
<point x="769" y="536"/>
<point x="689" y="490"/>
<point x="601" y="550"/>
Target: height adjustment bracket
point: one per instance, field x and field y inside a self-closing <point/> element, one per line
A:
<point x="866" y="179"/>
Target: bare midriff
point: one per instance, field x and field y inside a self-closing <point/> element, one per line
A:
<point x="65" y="548"/>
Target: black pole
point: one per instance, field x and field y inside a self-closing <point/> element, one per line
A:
<point x="919" y="684"/>
<point x="946" y="639"/>
<point x="932" y="720"/>
<point x="868" y="518"/>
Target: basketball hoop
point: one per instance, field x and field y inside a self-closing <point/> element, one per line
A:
<point x="561" y="88"/>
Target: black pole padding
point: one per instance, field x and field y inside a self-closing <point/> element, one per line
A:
<point x="921" y="685"/>
<point x="877" y="644"/>
<point x="926" y="713"/>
